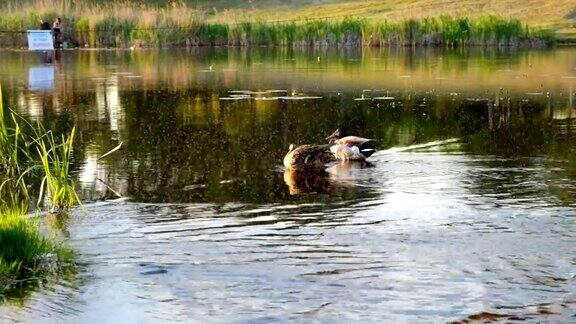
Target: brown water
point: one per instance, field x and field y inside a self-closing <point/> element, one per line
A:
<point x="468" y="207"/>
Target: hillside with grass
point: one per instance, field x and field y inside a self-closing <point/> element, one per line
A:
<point x="559" y="15"/>
<point x="274" y="22"/>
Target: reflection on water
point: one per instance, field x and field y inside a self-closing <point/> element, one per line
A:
<point x="467" y="207"/>
<point x="337" y="176"/>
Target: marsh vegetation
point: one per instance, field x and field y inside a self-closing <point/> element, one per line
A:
<point x="30" y="155"/>
<point x="108" y="24"/>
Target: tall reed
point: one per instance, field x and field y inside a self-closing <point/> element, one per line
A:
<point x="13" y="161"/>
<point x="24" y="252"/>
<point x="25" y="148"/>
<point x="11" y="144"/>
<point x="55" y="158"/>
<point x="452" y="31"/>
<point x="127" y="25"/>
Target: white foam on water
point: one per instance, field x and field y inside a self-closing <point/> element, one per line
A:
<point x="419" y="146"/>
<point x="299" y="98"/>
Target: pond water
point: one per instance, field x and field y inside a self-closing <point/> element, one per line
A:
<point x="466" y="211"/>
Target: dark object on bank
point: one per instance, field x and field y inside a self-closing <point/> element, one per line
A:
<point x="44" y="25"/>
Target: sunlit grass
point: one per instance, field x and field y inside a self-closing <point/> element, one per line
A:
<point x="27" y="148"/>
<point x="24" y="252"/>
<point x="13" y="162"/>
<point x="12" y="156"/>
<point x="451" y="31"/>
<point x="55" y="159"/>
<point x="123" y="24"/>
<point x="162" y="30"/>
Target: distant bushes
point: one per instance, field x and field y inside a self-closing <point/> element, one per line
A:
<point x="163" y="29"/>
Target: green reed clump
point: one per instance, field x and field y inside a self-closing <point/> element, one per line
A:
<point x="210" y="35"/>
<point x="347" y="32"/>
<point x="14" y="154"/>
<point x="25" y="252"/>
<point x="113" y="32"/>
<point x="453" y="31"/>
<point x="84" y="35"/>
<point x="25" y="148"/>
<point x="10" y="23"/>
<point x="14" y="165"/>
<point x="55" y="158"/>
<point x="14" y="198"/>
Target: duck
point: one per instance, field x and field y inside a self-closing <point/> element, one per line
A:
<point x="308" y="156"/>
<point x="350" y="148"/>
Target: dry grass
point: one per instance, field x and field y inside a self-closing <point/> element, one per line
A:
<point x="550" y="14"/>
<point x="126" y="23"/>
<point x="558" y="14"/>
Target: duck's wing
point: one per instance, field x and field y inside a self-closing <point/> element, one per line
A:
<point x="344" y="152"/>
<point x="367" y="146"/>
<point x="354" y="140"/>
<point x="311" y="156"/>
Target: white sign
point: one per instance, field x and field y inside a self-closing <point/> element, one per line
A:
<point x="40" y="40"/>
<point x="41" y="78"/>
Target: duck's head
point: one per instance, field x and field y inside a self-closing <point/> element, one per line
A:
<point x="334" y="136"/>
<point x="291" y="148"/>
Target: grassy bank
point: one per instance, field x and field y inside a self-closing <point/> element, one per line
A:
<point x="105" y="23"/>
<point x="29" y="158"/>
<point x="162" y="30"/>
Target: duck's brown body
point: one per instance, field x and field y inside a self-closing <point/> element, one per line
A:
<point x="308" y="157"/>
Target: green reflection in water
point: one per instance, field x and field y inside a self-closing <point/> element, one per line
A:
<point x="183" y="144"/>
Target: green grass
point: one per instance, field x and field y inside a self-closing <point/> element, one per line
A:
<point x="451" y="31"/>
<point x="163" y="31"/>
<point x="55" y="158"/>
<point x="11" y="143"/>
<point x="242" y="23"/>
<point x="25" y="149"/>
<point x="25" y="254"/>
<point x="13" y="162"/>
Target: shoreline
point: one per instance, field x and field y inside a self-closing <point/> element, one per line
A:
<point x="506" y="48"/>
<point x="446" y="31"/>
<point x="557" y="43"/>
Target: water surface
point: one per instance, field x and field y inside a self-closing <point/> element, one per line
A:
<point x="467" y="209"/>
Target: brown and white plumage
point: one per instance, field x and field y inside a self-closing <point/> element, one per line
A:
<point x="353" y="140"/>
<point x="351" y="147"/>
<point x="308" y="156"/>
<point x="347" y="153"/>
